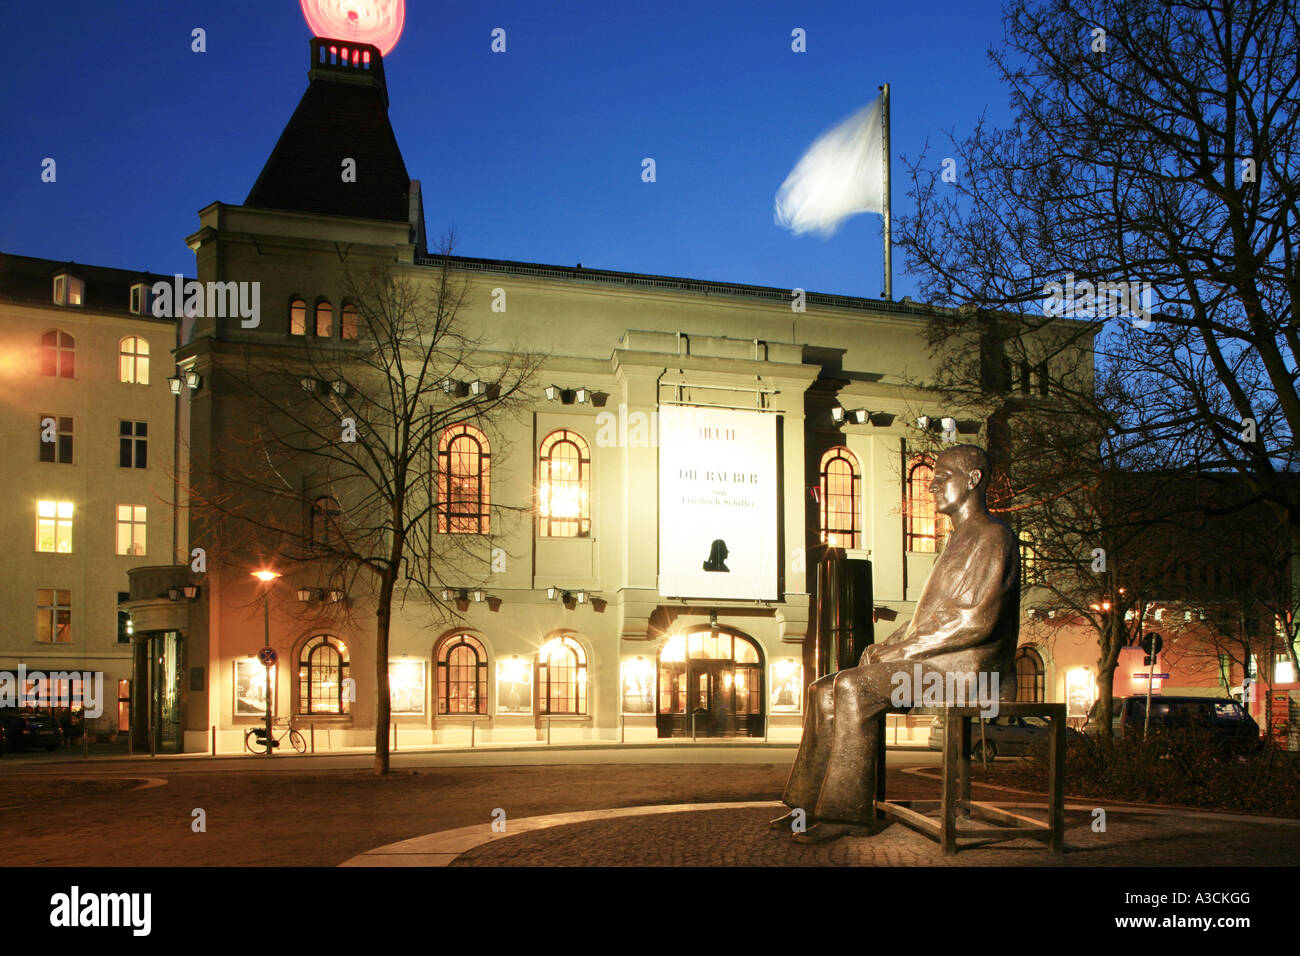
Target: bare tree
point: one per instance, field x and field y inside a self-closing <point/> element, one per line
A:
<point x="358" y="468"/>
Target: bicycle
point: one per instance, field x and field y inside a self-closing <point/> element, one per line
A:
<point x="255" y="737"/>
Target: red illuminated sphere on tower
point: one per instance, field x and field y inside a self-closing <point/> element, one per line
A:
<point x="378" y="22"/>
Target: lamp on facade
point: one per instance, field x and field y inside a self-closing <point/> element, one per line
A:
<point x="552" y="593"/>
<point x="173" y="594"/>
<point x="948" y="425"/>
<point x="340" y="388"/>
<point x="477" y="387"/>
<point x="861" y="416"/>
<point x="923" y="422"/>
<point x="582" y="396"/>
<point x="175" y="383"/>
<point x="335" y="595"/>
<point x="304" y="595"/>
<point x="552" y="393"/>
<point x="581" y="596"/>
<point x="837" y="414"/>
<point x="445" y="594"/>
<point x="479" y="595"/>
<point x="191" y="591"/>
<point x="308" y="384"/>
<point x="192" y="378"/>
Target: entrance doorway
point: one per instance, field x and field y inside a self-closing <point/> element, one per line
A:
<point x="710" y="685"/>
<point x="157" y="692"/>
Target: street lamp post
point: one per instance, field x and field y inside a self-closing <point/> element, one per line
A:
<point x="266" y="577"/>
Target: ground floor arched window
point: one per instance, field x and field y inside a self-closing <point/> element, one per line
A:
<point x="1030" y="676"/>
<point x="323" y="683"/>
<point x="462" y="676"/>
<point x="562" y="677"/>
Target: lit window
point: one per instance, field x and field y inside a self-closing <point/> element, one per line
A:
<point x="58" y="354"/>
<point x="133" y="360"/>
<point x="464" y="464"/>
<point x="131" y="529"/>
<point x="69" y="290"/>
<point x="322" y="677"/>
<point x="56" y="439"/>
<point x="349" y="322"/>
<point x="1283" y="670"/>
<point x="123" y="706"/>
<point x="926" y="528"/>
<point x="1030" y="676"/>
<point x="324" y="319"/>
<point x="841" y="515"/>
<point x="54" y="527"/>
<point x="564" y="486"/>
<point x="562" y="677"/>
<point x="133" y="445"/>
<point x="462" y="676"/>
<point x="297" y="317"/>
<point x="53" y="616"/>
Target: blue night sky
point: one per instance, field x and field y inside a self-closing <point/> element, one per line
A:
<point x="532" y="155"/>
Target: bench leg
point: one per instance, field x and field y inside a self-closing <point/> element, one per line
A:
<point x="1056" y="786"/>
<point x="953" y="725"/>
<point x="963" y="765"/>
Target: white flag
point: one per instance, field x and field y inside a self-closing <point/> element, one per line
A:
<point x="841" y="175"/>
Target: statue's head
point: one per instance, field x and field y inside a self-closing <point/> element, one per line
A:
<point x="960" y="474"/>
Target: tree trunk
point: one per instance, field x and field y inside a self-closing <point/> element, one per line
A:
<point x="383" y="701"/>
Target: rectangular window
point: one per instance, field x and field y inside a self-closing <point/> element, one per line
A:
<point x="131" y="529"/>
<point x="54" y="527"/>
<point x="56" y="439"/>
<point x="133" y="451"/>
<point x="53" y="616"/>
<point x="123" y="706"/>
<point x="69" y="290"/>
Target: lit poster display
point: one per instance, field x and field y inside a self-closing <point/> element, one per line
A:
<point x="717" y="503"/>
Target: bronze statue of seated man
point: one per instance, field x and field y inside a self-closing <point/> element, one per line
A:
<point x="966" y="623"/>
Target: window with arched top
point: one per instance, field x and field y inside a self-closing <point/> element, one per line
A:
<point x="133" y="360"/>
<point x="297" y="317"/>
<point x="926" y="529"/>
<point x="464" y="480"/>
<point x="348" y="323"/>
<point x="841" y="511"/>
<point x="324" y="531"/>
<point x="562" y="677"/>
<point x="1030" y="676"/>
<point x="323" y="686"/>
<point x="58" y="354"/>
<point x="462" y="676"/>
<point x="564" y="486"/>
<point x="324" y="319"/>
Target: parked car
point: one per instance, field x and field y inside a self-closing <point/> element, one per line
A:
<point x="1224" y="719"/>
<point x="25" y="730"/>
<point x="1003" y="736"/>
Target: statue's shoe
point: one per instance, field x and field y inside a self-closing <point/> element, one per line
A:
<point x="825" y="832"/>
<point x="782" y="823"/>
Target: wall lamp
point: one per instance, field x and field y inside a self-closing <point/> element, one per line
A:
<point x="309" y="384"/>
<point x="192" y="378"/>
<point x="553" y="393"/>
<point x="858" y="416"/>
<point x="340" y="388"/>
<point x="578" y="597"/>
<point x="478" y="387"/>
<point x="190" y="591"/>
<point x="477" y="595"/>
<point x="582" y="396"/>
<point x="189" y="377"/>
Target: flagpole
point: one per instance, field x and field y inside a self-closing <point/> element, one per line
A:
<point x="884" y="142"/>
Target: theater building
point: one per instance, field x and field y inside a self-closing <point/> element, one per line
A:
<point x="703" y="444"/>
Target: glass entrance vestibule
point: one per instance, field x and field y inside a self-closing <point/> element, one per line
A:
<point x="157" y="692"/>
<point x="710" y="685"/>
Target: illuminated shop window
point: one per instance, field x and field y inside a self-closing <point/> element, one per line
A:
<point x="464" y="479"/>
<point x="841" y="516"/>
<point x="54" y="527"/>
<point x="462" y="676"/>
<point x="58" y="354"/>
<point x="926" y="528"/>
<point x="564" y="486"/>
<point x="322" y="676"/>
<point x="133" y="360"/>
<point x="562" y="677"/>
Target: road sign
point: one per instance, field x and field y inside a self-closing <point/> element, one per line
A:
<point x="268" y="656"/>
<point x="1152" y="642"/>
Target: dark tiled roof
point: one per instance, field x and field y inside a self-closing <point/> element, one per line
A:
<point x="342" y="115"/>
<point x="30" y="280"/>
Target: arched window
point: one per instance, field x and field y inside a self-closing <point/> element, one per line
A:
<point x="1030" y="679"/>
<point x="841" y="516"/>
<point x="133" y="360"/>
<point x="323" y="677"/>
<point x="58" y="354"/>
<point x="926" y="528"/>
<point x="324" y="523"/>
<point x="464" y="463"/>
<point x="324" y="319"/>
<point x="348" y="328"/>
<point x="297" y="317"/>
<point x="564" y="486"/>
<point x="462" y="676"/>
<point x="562" y="677"/>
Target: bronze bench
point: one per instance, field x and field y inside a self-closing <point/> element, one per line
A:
<point x="956" y="786"/>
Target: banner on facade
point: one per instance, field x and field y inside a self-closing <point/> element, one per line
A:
<point x="717" y="503"/>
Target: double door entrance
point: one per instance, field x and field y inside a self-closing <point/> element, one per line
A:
<point x="157" y="694"/>
<point x="715" y="692"/>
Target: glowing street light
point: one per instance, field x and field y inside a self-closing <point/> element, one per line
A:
<point x="266" y="576"/>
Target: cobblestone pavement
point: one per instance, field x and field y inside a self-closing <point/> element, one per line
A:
<point x="740" y="837"/>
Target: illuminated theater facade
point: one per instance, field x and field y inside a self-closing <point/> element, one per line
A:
<point x="681" y="479"/>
